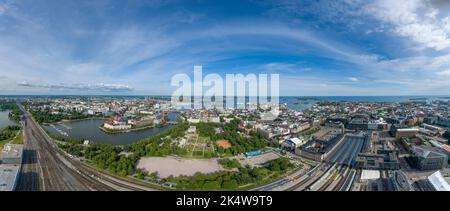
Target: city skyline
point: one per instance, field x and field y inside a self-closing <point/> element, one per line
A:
<point x="323" y="48"/>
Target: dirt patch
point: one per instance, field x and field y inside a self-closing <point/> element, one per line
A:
<point x="166" y="166"/>
<point x="223" y="143"/>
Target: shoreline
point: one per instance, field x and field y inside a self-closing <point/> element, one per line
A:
<point x="129" y="130"/>
<point x="73" y="120"/>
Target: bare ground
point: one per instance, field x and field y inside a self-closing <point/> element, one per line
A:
<point x="166" y="166"/>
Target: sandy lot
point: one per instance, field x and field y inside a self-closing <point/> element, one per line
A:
<point x="166" y="166"/>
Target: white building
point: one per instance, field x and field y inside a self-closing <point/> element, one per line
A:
<point x="292" y="144"/>
<point x="8" y="176"/>
<point x="438" y="182"/>
<point x="117" y="127"/>
<point x="11" y="154"/>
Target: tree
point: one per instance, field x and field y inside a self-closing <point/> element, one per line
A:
<point x="230" y="184"/>
<point x="140" y="174"/>
<point x="211" y="185"/>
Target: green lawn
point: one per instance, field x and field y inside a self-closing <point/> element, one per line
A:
<point x="18" y="139"/>
<point x="2" y="143"/>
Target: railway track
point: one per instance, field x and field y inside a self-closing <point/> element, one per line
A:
<point x="309" y="178"/>
<point x="50" y="169"/>
<point x="348" y="182"/>
<point x="55" y="175"/>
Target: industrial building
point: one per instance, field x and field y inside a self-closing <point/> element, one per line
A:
<point x="384" y="158"/>
<point x="318" y="149"/>
<point x="438" y="182"/>
<point x="11" y="154"/>
<point x="10" y="164"/>
<point x="292" y="144"/>
<point x="428" y="158"/>
<point x="406" y="133"/>
<point x="377" y="161"/>
<point x="8" y="176"/>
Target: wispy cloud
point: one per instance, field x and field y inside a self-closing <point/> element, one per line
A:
<point x="415" y="19"/>
<point x="354" y="79"/>
<point x="82" y="87"/>
<point x="318" y="47"/>
<point x="443" y="73"/>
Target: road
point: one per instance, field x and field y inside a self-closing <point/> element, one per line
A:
<point x="47" y="168"/>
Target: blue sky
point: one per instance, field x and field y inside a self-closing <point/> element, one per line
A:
<point x="347" y="47"/>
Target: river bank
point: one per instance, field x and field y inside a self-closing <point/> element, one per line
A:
<point x="109" y="131"/>
<point x="74" y="120"/>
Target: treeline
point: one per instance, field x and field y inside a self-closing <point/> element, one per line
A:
<point x="229" y="163"/>
<point x="232" y="180"/>
<point x="46" y="116"/>
<point x="6" y="105"/>
<point x="9" y="132"/>
<point x="108" y="157"/>
<point x="14" y="113"/>
<point x="104" y="156"/>
<point x="234" y="134"/>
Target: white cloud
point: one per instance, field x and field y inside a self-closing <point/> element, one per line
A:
<point x="4" y="6"/>
<point x="415" y="19"/>
<point x="84" y="87"/>
<point x="354" y="79"/>
<point x="443" y="73"/>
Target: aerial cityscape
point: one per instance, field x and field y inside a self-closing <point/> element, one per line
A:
<point x="254" y="96"/>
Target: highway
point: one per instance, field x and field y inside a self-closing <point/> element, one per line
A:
<point x="46" y="168"/>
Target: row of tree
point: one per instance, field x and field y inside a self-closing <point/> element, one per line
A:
<point x="9" y="132"/>
<point x="46" y="116"/>
<point x="229" y="163"/>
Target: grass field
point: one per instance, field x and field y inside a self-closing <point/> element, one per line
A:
<point x="2" y="143"/>
<point x="16" y="140"/>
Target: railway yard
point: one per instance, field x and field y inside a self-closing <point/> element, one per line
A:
<point x="337" y="177"/>
<point x="45" y="167"/>
<point x="337" y="172"/>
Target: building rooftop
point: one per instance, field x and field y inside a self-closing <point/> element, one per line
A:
<point x="8" y="177"/>
<point x="11" y="151"/>
<point x="294" y="141"/>
<point x="438" y="182"/>
<point x="370" y="174"/>
<point x="427" y="152"/>
<point x="408" y="130"/>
